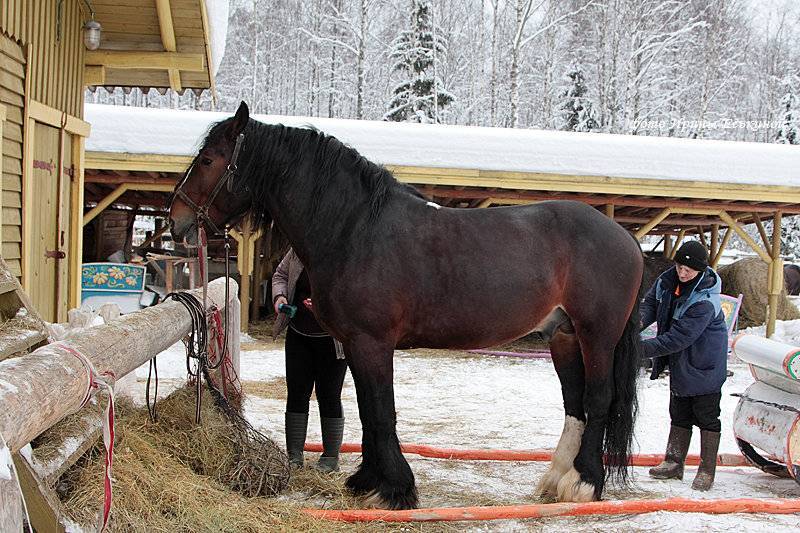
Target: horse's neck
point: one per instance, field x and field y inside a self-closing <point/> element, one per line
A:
<point x="316" y="243"/>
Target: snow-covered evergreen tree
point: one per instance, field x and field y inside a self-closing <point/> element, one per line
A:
<point x="790" y="129"/>
<point x="577" y="111"/>
<point x="421" y="96"/>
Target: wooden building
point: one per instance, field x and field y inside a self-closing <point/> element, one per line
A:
<point x="671" y="187"/>
<point x="45" y="68"/>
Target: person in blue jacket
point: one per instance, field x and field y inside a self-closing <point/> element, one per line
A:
<point x="692" y="341"/>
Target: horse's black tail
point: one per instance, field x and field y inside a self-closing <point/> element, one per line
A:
<point x="624" y="407"/>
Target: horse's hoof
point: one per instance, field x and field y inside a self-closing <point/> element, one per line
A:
<point x="362" y="481"/>
<point x="572" y="489"/>
<point x="548" y="485"/>
<point x="374" y="500"/>
<point x="398" y="500"/>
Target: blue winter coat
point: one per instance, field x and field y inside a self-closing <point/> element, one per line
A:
<point x="694" y="343"/>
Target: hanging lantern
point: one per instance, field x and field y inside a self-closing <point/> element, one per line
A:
<point x="91" y="34"/>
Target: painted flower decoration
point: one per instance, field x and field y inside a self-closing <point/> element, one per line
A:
<point x="130" y="280"/>
<point x="116" y="273"/>
<point x="100" y="278"/>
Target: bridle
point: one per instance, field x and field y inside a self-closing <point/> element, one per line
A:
<point x="226" y="180"/>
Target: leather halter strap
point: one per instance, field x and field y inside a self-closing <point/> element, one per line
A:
<point x="201" y="211"/>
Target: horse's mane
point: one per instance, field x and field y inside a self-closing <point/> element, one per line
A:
<point x="273" y="156"/>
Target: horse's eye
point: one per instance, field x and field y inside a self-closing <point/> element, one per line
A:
<point x="205" y="161"/>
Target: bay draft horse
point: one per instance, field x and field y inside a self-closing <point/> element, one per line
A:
<point x="390" y="270"/>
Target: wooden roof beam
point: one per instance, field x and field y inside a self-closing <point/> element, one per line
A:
<point x="168" y="40"/>
<point x="619" y="201"/>
<point x="129" y="59"/>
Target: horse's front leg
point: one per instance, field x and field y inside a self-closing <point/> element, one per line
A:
<point x="384" y="475"/>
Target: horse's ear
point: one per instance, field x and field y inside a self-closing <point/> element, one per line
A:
<point x="239" y="121"/>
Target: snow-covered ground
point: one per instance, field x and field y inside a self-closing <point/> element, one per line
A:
<point x="458" y="400"/>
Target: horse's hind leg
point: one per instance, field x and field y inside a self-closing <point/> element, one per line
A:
<point x="566" y="353"/>
<point x="585" y="481"/>
<point x="384" y="475"/>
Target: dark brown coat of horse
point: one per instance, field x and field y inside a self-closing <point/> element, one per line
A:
<point x="389" y="270"/>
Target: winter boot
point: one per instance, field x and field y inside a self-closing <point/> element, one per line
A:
<point x="332" y="430"/>
<point x="677" y="447"/>
<point x="709" y="445"/>
<point x="296" y="425"/>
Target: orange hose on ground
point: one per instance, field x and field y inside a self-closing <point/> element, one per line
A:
<point x="723" y="459"/>
<point x="683" y="505"/>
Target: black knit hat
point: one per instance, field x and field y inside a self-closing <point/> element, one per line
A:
<point x="693" y="255"/>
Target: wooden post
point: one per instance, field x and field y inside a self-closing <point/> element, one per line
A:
<point x="610" y="211"/>
<point x="255" y="304"/>
<point x="11" y="514"/>
<point x="721" y="249"/>
<point x="44" y="386"/>
<point x="244" y="262"/>
<point x="712" y="250"/>
<point x="775" y="282"/>
<point x="169" y="279"/>
<point x="667" y="245"/>
<point x="678" y="241"/>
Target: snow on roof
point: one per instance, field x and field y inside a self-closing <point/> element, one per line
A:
<point x="177" y="132"/>
<point x="217" y="11"/>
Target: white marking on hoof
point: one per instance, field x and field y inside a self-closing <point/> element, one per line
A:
<point x="433" y="205"/>
<point x="572" y="489"/>
<point x="568" y="446"/>
<point x="374" y="500"/>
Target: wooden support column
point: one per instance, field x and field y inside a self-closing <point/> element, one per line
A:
<point x="775" y="282"/>
<point x="244" y="262"/>
<point x="258" y="273"/>
<point x="721" y="249"/>
<point x="712" y="250"/>
<point x="610" y="211"/>
<point x="76" y="222"/>
<point x="667" y="245"/>
<point x="678" y="241"/>
<point x="761" y="230"/>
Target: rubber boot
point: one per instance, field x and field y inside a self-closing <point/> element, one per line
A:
<point x="709" y="446"/>
<point x="332" y="431"/>
<point x="296" y="426"/>
<point x="677" y="448"/>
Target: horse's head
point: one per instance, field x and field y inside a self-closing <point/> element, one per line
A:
<point x="207" y="193"/>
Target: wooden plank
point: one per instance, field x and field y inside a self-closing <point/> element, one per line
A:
<point x="44" y="508"/>
<point x="145" y="60"/>
<point x="11" y="250"/>
<point x="53" y="117"/>
<point x="12" y="217"/>
<point x="11" y="508"/>
<point x="12" y="167"/>
<point x="22" y="342"/>
<point x="12" y="132"/>
<point x="11" y="199"/>
<point x="12" y="149"/>
<point x="138" y="162"/>
<point x="12" y="234"/>
<point x="11" y="82"/>
<point x="94" y="75"/>
<point x="11" y="49"/>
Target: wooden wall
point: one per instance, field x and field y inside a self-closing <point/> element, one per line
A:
<point x="56" y="49"/>
<point x="12" y="96"/>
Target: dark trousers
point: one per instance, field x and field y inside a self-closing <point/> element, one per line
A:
<point x="701" y="411"/>
<point x="311" y="364"/>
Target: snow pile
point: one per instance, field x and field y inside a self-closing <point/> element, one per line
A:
<point x="178" y="132"/>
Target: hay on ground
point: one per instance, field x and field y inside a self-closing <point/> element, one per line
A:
<point x="749" y="278"/>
